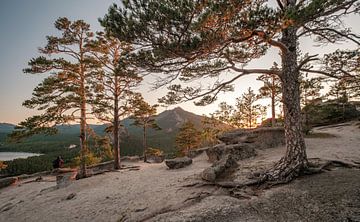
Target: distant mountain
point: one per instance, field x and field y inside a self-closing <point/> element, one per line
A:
<point x="170" y="121"/>
<point x="6" y="127"/>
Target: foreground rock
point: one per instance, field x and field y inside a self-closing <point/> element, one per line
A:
<point x="219" y="168"/>
<point x="262" y="138"/>
<point x="178" y="162"/>
<point x="238" y="151"/>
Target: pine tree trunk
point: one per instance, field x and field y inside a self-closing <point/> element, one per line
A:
<point x="83" y="145"/>
<point x="295" y="159"/>
<point x="273" y="103"/>
<point x="144" y="142"/>
<point x="116" y="145"/>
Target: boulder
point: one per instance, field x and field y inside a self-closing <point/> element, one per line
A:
<point x="155" y="158"/>
<point x="130" y="158"/>
<point x="179" y="162"/>
<point x="219" y="168"/>
<point x="238" y="151"/>
<point x="7" y="181"/>
<point x="262" y="138"/>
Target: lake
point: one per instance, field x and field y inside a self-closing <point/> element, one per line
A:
<point x="5" y="156"/>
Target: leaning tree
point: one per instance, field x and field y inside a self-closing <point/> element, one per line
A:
<point x="197" y="40"/>
<point x="64" y="95"/>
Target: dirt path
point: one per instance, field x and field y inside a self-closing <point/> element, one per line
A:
<point x="155" y="193"/>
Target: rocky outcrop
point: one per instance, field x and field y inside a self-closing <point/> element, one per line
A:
<point x="262" y="138"/>
<point x="179" y="162"/>
<point x="238" y="151"/>
<point x="219" y="168"/>
<point x="196" y="152"/>
<point x="5" y="182"/>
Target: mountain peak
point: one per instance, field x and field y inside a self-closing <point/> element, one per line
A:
<point x="178" y="109"/>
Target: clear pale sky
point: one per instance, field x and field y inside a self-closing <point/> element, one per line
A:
<point x="25" y="23"/>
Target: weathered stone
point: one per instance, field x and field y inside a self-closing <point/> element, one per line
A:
<point x="70" y="196"/>
<point x="155" y="158"/>
<point x="196" y="152"/>
<point x="130" y="158"/>
<point x="238" y="151"/>
<point x="7" y="181"/>
<point x="220" y="167"/>
<point x="262" y="138"/>
<point x="178" y="162"/>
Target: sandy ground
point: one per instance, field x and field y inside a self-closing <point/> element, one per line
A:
<point x="155" y="193"/>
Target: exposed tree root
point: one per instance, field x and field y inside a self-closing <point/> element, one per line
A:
<point x="268" y="179"/>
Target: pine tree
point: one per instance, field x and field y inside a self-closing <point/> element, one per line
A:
<point x="114" y="88"/>
<point x="344" y="65"/>
<point x="192" y="40"/>
<point x="225" y="114"/>
<point x="64" y="95"/>
<point x="188" y="138"/>
<point x="211" y="129"/>
<point x="144" y="117"/>
<point x="310" y="89"/>
<point x="249" y="109"/>
<point x="271" y="89"/>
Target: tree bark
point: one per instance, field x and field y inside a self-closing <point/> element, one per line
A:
<point x="116" y="145"/>
<point x="83" y="125"/>
<point x="273" y="102"/>
<point x="144" y="142"/>
<point x="295" y="160"/>
<point x="83" y="145"/>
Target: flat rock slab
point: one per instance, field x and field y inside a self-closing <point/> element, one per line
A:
<point x="262" y="138"/>
<point x="178" y="162"/>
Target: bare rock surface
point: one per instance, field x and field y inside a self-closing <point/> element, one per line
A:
<point x="154" y="193"/>
<point x="332" y="196"/>
<point x="179" y="162"/>
<point x="262" y="138"/>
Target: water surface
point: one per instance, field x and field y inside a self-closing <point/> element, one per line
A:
<point x="5" y="156"/>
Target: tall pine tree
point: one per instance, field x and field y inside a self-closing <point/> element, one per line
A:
<point x="65" y="94"/>
<point x="115" y="85"/>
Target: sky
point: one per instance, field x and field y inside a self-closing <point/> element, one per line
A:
<point x="24" y="24"/>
